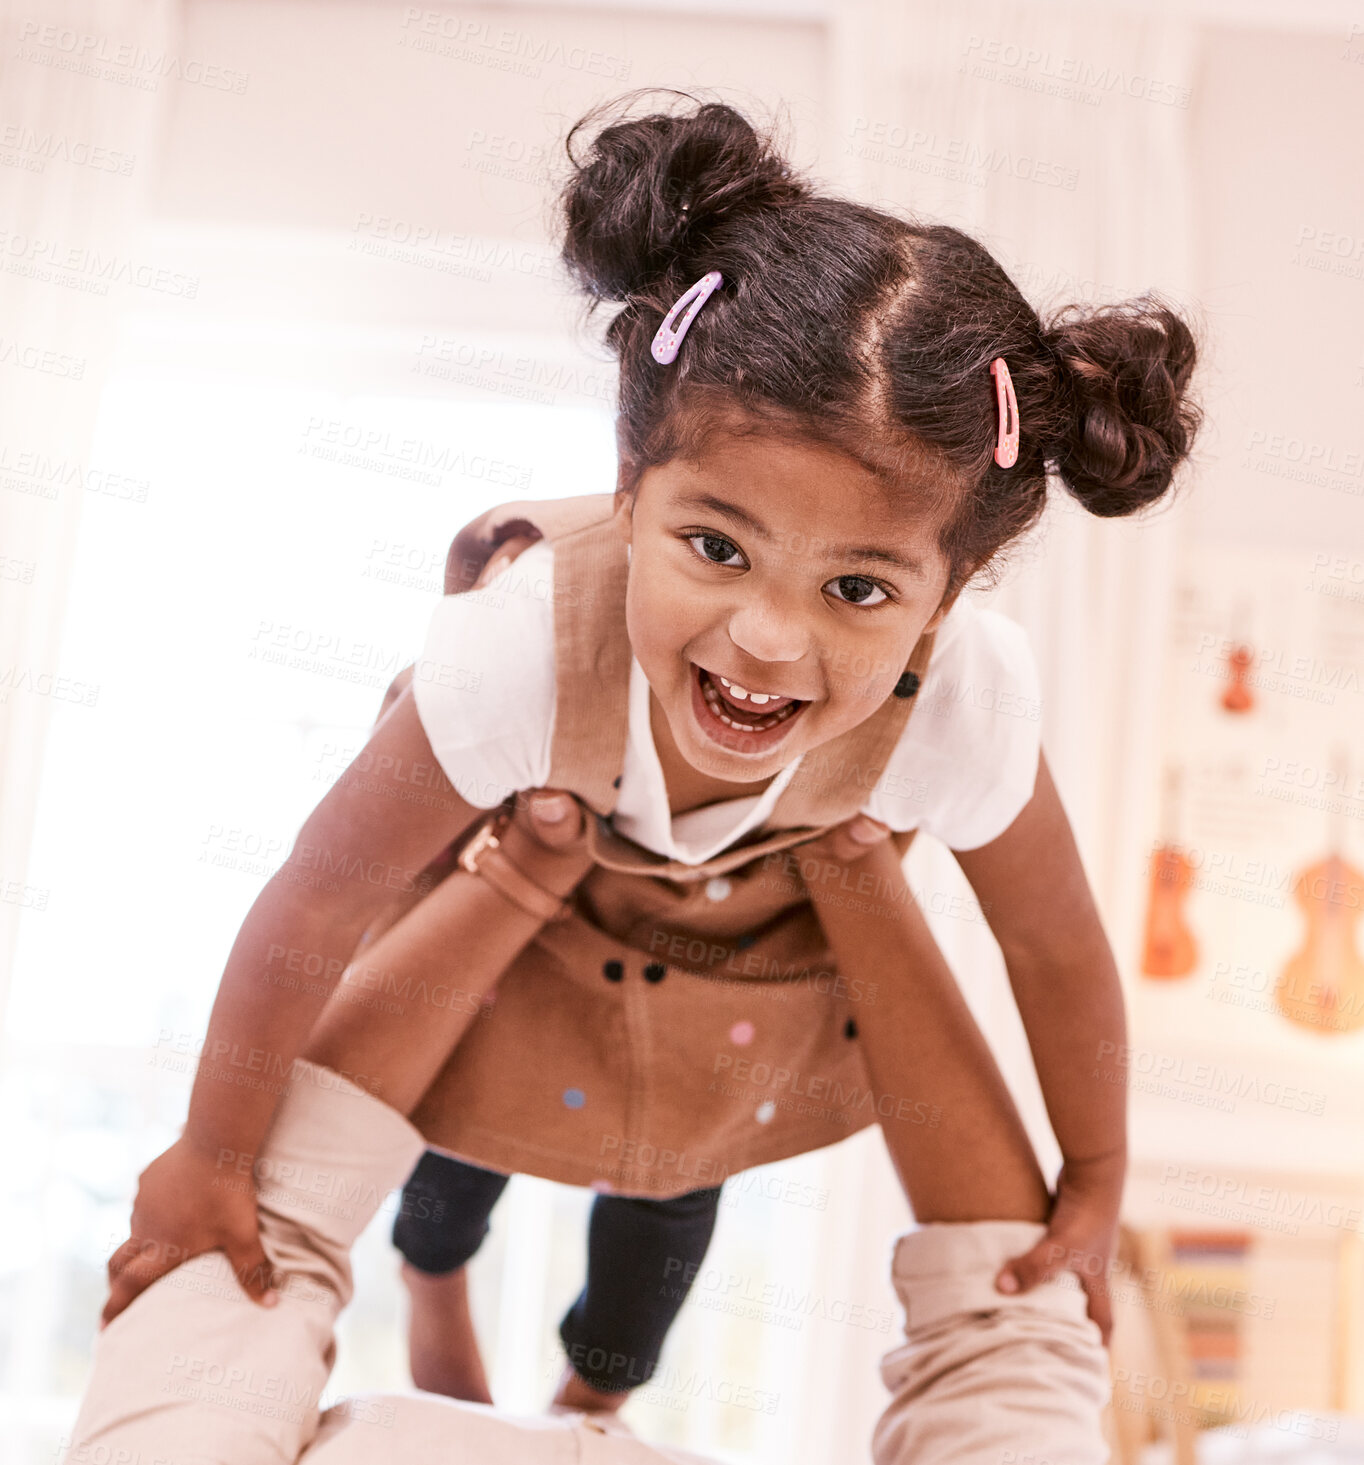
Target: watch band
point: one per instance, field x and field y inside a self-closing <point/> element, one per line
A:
<point x="484" y="856"/>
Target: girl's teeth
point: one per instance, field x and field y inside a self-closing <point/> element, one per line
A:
<point x="759" y="697"/>
<point x="713" y="702"/>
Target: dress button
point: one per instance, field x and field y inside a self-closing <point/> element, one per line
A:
<point x="655" y="971"/>
<point x="614" y="971"/>
<point x="717" y="888"/>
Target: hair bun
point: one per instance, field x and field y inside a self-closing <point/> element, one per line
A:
<point x="1125" y="372"/>
<point x="648" y="190"/>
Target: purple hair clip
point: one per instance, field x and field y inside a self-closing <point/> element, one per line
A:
<point x="668" y="337"/>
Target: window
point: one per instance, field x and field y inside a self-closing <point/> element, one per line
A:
<point x="258" y="557"/>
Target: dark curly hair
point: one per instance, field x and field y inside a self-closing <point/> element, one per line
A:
<point x="842" y="324"/>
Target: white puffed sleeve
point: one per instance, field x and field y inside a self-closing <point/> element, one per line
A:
<point x="484" y="684"/>
<point x="966" y="763"/>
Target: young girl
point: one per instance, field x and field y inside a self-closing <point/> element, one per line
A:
<point x="844" y="417"/>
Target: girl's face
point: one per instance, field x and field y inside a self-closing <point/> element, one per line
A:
<point x="775" y="595"/>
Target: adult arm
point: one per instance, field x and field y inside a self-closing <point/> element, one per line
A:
<point x="919" y="1038"/>
<point x="958" y="1146"/>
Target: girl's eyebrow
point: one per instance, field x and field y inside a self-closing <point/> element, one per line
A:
<point x="742" y="516"/>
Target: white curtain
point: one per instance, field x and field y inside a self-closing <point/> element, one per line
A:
<point x="1059" y="137"/>
<point x="84" y="84"/>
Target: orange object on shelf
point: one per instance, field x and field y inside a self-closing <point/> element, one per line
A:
<point x="1238" y="697"/>
<point x="1168" y="948"/>
<point x="1322" y="984"/>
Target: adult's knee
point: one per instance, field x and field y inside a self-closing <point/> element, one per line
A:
<point x="982" y="1372"/>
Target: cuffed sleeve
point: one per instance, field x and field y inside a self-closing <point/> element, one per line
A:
<point x="192" y="1371"/>
<point x="984" y="1376"/>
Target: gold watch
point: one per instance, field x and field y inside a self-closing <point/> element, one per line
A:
<point x="484" y="856"/>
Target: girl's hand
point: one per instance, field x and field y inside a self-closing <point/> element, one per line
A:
<point x="189" y="1202"/>
<point x="1082" y="1233"/>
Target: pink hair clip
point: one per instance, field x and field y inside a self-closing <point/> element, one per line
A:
<point x="668" y="338"/>
<point x="1006" y="445"/>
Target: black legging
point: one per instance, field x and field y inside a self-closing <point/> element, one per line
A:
<point x="641" y="1257"/>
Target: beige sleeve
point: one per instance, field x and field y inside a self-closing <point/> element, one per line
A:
<point x="984" y="1378"/>
<point x="192" y="1372"/>
<point x="195" y="1373"/>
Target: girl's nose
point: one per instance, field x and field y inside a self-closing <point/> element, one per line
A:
<point x="768" y="633"/>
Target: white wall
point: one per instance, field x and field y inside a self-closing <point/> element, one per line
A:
<point x="1280" y="259"/>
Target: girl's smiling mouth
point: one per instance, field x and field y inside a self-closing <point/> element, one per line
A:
<point x="739" y="724"/>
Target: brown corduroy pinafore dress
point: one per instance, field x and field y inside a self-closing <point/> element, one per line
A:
<point x="687" y="1021"/>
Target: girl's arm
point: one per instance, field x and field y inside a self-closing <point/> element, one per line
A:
<point x="1032" y="888"/>
<point x="360" y="850"/>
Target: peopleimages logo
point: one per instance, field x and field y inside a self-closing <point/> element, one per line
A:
<point x="893" y="143"/>
<point x="102" y="56"/>
<point x="502" y="47"/>
<point x="1219" y="1084"/>
<point x="1073" y="78"/>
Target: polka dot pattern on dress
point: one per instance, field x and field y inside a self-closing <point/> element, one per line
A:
<point x="765" y="1111"/>
<point x="741" y="1033"/>
<point x="574" y="1098"/>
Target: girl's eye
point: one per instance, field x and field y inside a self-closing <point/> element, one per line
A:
<point x="715" y="548"/>
<point x="856" y="588"/>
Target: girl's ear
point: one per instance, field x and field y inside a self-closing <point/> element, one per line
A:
<point x="622" y="512"/>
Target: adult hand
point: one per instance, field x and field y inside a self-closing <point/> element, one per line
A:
<point x="546" y="839"/>
<point x="188" y="1203"/>
<point x="846" y="843"/>
<point x="555" y="820"/>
